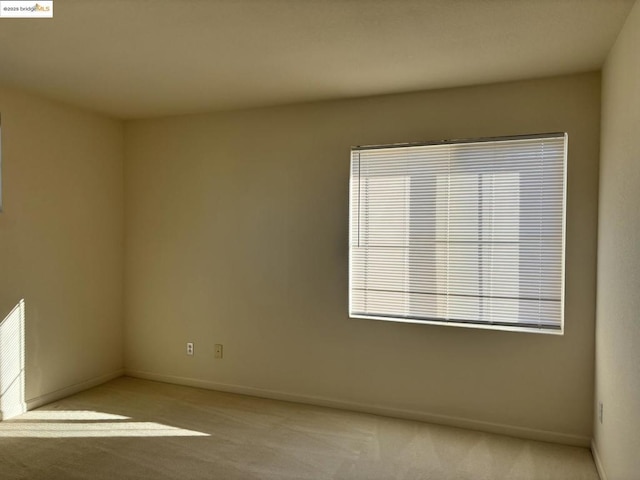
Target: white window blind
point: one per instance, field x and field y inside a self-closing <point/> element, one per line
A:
<point x="469" y="233"/>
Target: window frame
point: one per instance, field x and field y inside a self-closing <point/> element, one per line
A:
<point x="1" y="203"/>
<point x="479" y="324"/>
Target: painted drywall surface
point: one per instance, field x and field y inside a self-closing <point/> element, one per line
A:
<point x="237" y="234"/>
<point x="618" y="313"/>
<point x="61" y="238"/>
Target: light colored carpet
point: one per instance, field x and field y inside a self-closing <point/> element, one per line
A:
<point x="136" y="429"/>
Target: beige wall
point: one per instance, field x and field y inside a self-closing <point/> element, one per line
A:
<point x="618" y="316"/>
<point x="61" y="239"/>
<point x="237" y="234"/>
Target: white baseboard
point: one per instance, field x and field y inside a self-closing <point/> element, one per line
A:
<point x="72" y="389"/>
<point x="13" y="412"/>
<point x="597" y="461"/>
<point x="514" y="431"/>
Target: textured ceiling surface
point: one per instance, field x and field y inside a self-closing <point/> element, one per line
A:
<point x="144" y="58"/>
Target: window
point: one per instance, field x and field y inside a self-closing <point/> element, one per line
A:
<point x="0" y="166"/>
<point x="463" y="232"/>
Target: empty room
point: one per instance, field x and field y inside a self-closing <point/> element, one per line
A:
<point x="320" y="239"/>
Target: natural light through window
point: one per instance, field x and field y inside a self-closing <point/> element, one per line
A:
<point x="12" y="357"/>
<point x="468" y="233"/>
<point x="77" y="415"/>
<point x="82" y="423"/>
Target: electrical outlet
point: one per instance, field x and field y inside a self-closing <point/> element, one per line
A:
<point x="218" y="351"/>
<point x="600" y="411"/>
<point x="189" y="348"/>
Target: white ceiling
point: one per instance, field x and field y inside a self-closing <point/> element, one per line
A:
<point x="143" y="58"/>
